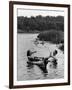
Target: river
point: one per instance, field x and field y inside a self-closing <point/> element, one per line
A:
<point x="25" y="42"/>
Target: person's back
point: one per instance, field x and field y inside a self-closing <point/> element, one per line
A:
<point x="28" y="53"/>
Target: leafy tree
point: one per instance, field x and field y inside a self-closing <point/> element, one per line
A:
<point x="40" y="23"/>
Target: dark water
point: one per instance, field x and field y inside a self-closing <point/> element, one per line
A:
<point x="25" y="72"/>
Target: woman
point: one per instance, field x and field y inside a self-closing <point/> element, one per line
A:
<point x="55" y="52"/>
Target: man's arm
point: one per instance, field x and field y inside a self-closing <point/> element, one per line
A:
<point x="33" y="52"/>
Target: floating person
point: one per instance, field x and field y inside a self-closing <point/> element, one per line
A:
<point x="41" y="62"/>
<point x="29" y="53"/>
<point x="32" y="58"/>
<point x="54" y="60"/>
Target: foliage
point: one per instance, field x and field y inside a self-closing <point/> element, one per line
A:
<point x="52" y="36"/>
<point x="40" y="23"/>
<point x="62" y="47"/>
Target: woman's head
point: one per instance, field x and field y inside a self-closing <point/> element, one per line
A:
<point x="55" y="52"/>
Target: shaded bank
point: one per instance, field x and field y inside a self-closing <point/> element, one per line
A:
<point x="56" y="37"/>
<point x="52" y="36"/>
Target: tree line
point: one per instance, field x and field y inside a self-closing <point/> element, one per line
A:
<point x="40" y="23"/>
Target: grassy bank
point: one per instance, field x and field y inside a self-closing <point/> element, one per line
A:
<point x="53" y="36"/>
<point x="25" y="31"/>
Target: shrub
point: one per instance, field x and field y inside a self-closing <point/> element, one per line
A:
<point x="53" y="36"/>
<point x="62" y="47"/>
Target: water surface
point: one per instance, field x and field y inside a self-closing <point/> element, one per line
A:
<point x="25" y="42"/>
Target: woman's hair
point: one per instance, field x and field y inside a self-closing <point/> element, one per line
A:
<point x="55" y="52"/>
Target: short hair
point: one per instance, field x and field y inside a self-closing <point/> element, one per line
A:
<point x="28" y="53"/>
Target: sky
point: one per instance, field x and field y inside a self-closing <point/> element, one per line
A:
<point x="35" y="12"/>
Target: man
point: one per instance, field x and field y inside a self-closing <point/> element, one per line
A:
<point x="29" y="53"/>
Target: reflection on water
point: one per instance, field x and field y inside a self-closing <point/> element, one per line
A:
<point x="27" y="71"/>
